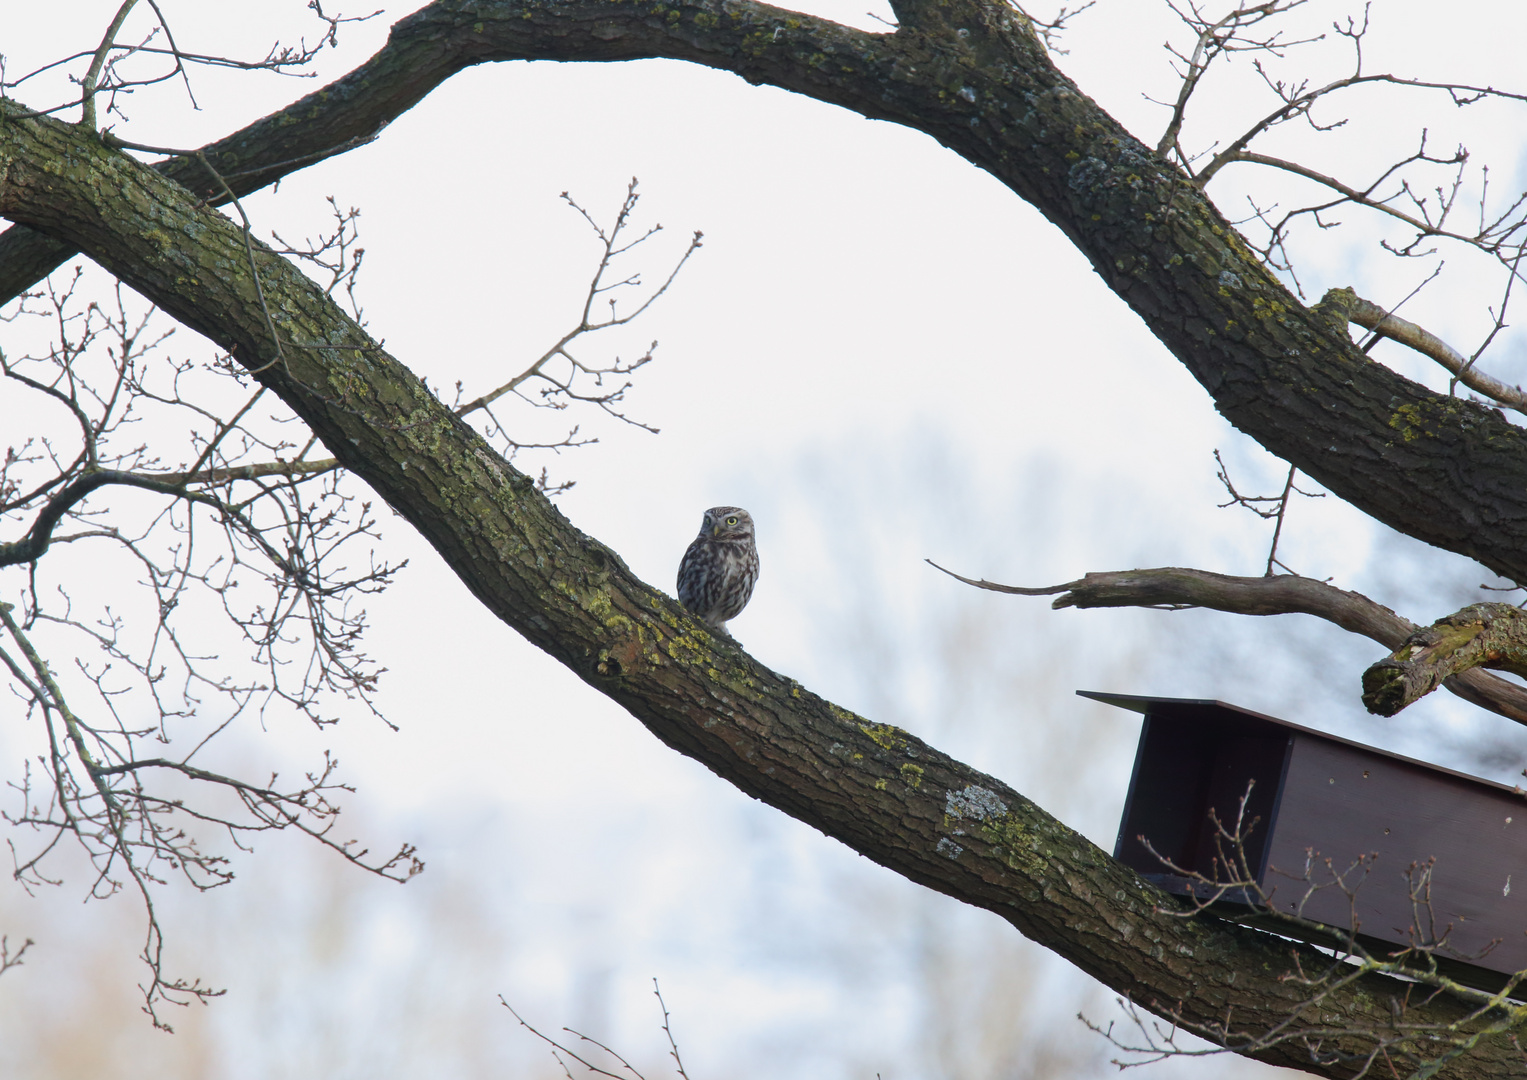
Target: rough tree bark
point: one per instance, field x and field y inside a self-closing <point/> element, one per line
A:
<point x="1481" y="635"/>
<point x="876" y="788"/>
<point x="972" y="76"/>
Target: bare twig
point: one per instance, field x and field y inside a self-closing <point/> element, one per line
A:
<point x="103" y="74"/>
<point x="1402" y="191"/>
<point x="626" y="1068"/>
<point x="1212" y="40"/>
<point x="281" y="524"/>
<point x="1050" y="31"/>
<point x="564" y="377"/>
<point x="10" y="959"/>
<point x="1267" y="507"/>
<point x="98" y="61"/>
<point x="557" y="1047"/>
<point x="673" y="1046"/>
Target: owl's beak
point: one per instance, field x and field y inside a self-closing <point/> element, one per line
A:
<point x="715" y="530"/>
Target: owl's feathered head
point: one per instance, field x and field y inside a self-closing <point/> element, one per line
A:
<point x="727" y="523"/>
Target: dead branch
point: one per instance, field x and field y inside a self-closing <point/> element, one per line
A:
<point x="1481" y="635"/>
<point x="1175" y="588"/>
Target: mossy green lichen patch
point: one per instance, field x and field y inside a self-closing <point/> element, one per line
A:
<point x="1407" y="421"/>
<point x="886" y="736"/>
<point x="1014" y="843"/>
<point x="843" y="716"/>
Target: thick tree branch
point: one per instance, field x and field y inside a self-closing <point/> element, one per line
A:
<point x="1481" y="635"/>
<point x="1175" y="588"/>
<point x="347" y="113"/>
<point x="972" y="75"/>
<point x="876" y="788"/>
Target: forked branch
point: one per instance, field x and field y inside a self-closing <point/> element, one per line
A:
<point x="626" y="1071"/>
<point x="562" y="388"/>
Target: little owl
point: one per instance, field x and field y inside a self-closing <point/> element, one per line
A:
<point x="718" y="572"/>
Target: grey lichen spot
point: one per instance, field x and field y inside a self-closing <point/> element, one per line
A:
<point x="968" y="93"/>
<point x="1133" y="159"/>
<point x="974" y="802"/>
<point x="1086" y="174"/>
<point x="1229" y="279"/>
<point x="491" y="463"/>
<point x="948" y="848"/>
<point x="962" y="32"/>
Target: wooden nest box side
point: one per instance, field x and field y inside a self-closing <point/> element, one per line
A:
<point x="1414" y="853"/>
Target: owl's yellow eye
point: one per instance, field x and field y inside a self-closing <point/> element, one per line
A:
<point x="731" y="521"/>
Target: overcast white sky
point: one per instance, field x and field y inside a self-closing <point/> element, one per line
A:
<point x="885" y="356"/>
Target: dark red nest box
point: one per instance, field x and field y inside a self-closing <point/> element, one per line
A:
<point x="1380" y="819"/>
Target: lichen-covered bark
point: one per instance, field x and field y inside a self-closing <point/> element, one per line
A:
<point x="874" y="787"/>
<point x="971" y="75"/>
<point x="1481" y="635"/>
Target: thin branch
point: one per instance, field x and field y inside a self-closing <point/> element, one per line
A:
<point x="10" y="959"/>
<point x="1213" y="39"/>
<point x="556" y="1046"/>
<point x="613" y="247"/>
<point x="1049" y="31"/>
<point x="1272" y="551"/>
<point x="673" y="1046"/>
<point x="1372" y="317"/>
<point x="97" y="62"/>
<point x="1361" y="198"/>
